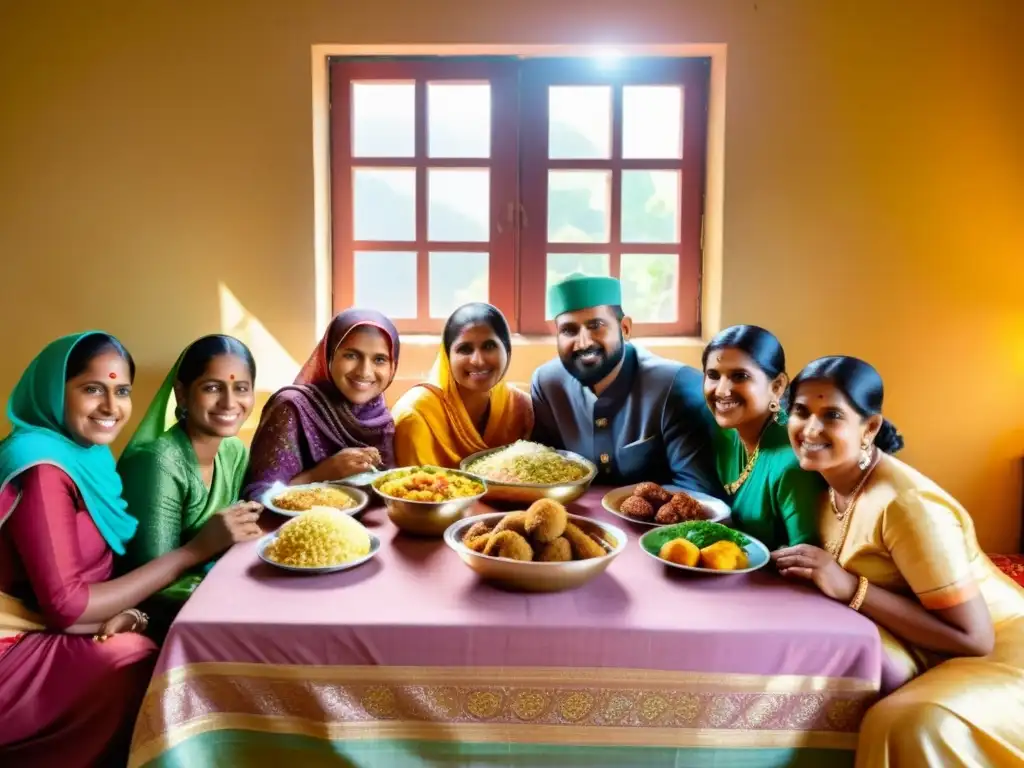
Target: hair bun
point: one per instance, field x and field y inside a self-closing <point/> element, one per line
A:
<point x="889" y="439"/>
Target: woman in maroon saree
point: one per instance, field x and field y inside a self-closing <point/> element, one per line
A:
<point x="74" y="663"/>
<point x="333" y="421"/>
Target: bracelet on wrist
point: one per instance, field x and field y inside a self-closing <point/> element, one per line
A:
<point x="860" y="594"/>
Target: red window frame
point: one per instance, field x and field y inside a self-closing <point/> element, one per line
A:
<point x="501" y="73"/>
<point x="519" y="167"/>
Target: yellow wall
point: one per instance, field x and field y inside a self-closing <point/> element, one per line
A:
<point x="151" y="152"/>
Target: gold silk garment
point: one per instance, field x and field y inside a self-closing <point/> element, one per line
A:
<point x="907" y="535"/>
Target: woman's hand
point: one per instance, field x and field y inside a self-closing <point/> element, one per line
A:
<point x="231" y="525"/>
<point x="815" y="564"/>
<point x="130" y="620"/>
<point x="353" y="461"/>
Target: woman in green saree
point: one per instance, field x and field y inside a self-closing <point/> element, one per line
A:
<point x="182" y="467"/>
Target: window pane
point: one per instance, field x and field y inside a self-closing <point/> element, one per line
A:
<point x="384" y="204"/>
<point x="383" y="119"/>
<point x="457" y="279"/>
<point x="650" y="206"/>
<point x="650" y="286"/>
<point x="579" y="121"/>
<point x="459" y="119"/>
<point x="561" y="265"/>
<point x="652" y="121"/>
<point x="578" y="206"/>
<point x="459" y="204"/>
<point x="386" y="281"/>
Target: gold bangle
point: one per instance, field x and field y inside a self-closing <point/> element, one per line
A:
<point x="860" y="594"/>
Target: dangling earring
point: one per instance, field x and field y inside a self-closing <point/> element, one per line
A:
<point x="865" y="456"/>
<point x="776" y="410"/>
<point x="180" y="413"/>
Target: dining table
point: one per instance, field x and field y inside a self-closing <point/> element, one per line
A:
<point x="410" y="660"/>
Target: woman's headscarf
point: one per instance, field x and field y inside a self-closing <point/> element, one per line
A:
<point x="438" y="403"/>
<point x="40" y="436"/>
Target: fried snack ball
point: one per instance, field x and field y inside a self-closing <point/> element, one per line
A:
<point x="680" y="551"/>
<point x="653" y="493"/>
<point x="478" y="543"/>
<point x="545" y="520"/>
<point x="478" y="528"/>
<point x="637" y="508"/>
<point x="513" y="521"/>
<point x="723" y="556"/>
<point x="557" y="551"/>
<point x="668" y="514"/>
<point x="509" y="545"/>
<point x="688" y="507"/>
<point x="583" y="546"/>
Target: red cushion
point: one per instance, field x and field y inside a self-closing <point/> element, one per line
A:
<point x="1012" y="565"/>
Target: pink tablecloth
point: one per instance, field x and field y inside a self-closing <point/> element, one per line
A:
<point x="417" y="608"/>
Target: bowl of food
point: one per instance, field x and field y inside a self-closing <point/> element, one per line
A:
<point x="653" y="504"/>
<point x="321" y="540"/>
<point x="424" y="501"/>
<point x="541" y="549"/>
<point x="295" y="499"/>
<point x="701" y="546"/>
<point x="524" y="472"/>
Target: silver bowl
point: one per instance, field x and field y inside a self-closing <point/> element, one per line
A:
<point x="526" y="576"/>
<point x="527" y="493"/>
<point x="426" y="518"/>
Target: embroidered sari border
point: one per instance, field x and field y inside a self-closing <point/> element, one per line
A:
<point x="679" y="738"/>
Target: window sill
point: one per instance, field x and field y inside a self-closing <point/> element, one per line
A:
<point x="530" y="340"/>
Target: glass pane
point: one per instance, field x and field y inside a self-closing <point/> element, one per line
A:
<point x="650" y="286"/>
<point x="652" y="121"/>
<point x="561" y="265"/>
<point x="386" y="281"/>
<point x="383" y="119"/>
<point x="650" y="206"/>
<point x="459" y="119"/>
<point x="459" y="204"/>
<point x="457" y="279"/>
<point x="579" y="122"/>
<point x="578" y="206"/>
<point x="384" y="203"/>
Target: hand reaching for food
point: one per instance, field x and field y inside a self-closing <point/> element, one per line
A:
<point x="354" y="461"/>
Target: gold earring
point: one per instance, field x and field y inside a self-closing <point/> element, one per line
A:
<point x="865" y="456"/>
<point x="775" y="409"/>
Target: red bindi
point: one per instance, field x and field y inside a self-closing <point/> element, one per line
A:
<point x="112" y="375"/>
<point x="232" y="377"/>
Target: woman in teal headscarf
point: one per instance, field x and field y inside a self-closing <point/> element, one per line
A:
<point x="73" y="662"/>
<point x="183" y="466"/>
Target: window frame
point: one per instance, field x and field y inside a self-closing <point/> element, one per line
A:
<point x="518" y="248"/>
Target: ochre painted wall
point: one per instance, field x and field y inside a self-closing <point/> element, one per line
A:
<point x="874" y="187"/>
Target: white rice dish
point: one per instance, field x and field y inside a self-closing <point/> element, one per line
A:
<point x="528" y="463"/>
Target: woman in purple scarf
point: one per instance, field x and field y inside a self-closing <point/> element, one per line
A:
<point x="332" y="422"/>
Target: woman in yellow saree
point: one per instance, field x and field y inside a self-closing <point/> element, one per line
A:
<point x="465" y="406"/>
<point x="903" y="552"/>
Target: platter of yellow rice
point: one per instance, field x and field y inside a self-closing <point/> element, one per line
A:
<point x="322" y="540"/>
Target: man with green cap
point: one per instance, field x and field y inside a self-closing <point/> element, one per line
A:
<point x="638" y="416"/>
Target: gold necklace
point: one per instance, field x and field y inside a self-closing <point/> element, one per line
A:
<point x="835" y="546"/>
<point x="734" y="486"/>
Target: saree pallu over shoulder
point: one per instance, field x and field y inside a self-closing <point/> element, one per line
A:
<point x="433" y="427"/>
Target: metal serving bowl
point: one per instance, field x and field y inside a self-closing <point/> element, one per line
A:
<point x="527" y="493"/>
<point x="426" y="518"/>
<point x="525" y="576"/>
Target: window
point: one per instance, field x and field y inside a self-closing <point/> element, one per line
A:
<point x="488" y="179"/>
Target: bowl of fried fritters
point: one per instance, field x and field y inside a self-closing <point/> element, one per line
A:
<point x="540" y="549"/>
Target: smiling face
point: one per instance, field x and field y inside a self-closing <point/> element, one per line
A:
<point x="478" y="358"/>
<point x="221" y="399"/>
<point x="736" y="389"/>
<point x="825" y="430"/>
<point x="361" y="367"/>
<point x="98" y="401"/>
<point x="591" y="343"/>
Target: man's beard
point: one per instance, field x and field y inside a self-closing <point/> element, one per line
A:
<point x="589" y="375"/>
